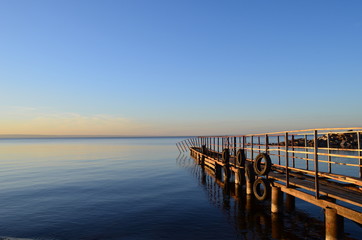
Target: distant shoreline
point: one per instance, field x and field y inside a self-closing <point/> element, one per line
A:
<point x="24" y="136"/>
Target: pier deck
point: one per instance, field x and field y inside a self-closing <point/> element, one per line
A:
<point x="320" y="166"/>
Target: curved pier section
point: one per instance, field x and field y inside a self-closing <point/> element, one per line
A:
<point x="320" y="166"/>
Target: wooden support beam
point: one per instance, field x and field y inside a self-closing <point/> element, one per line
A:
<point x="341" y="210"/>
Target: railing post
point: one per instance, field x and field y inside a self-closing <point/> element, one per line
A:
<point x="190" y="142"/>
<point x="235" y="146"/>
<point x="251" y="147"/>
<point x="286" y="160"/>
<point x="266" y="143"/>
<point x="278" y="149"/>
<point x="218" y="146"/>
<point x="316" y="163"/>
<point x="183" y="145"/>
<point x="244" y="146"/>
<point x="178" y="147"/>
<point x="306" y="149"/>
<point x="360" y="153"/>
<point x="329" y="152"/>
<point x="187" y="145"/>
<point x="214" y="148"/>
<point x="293" y="154"/>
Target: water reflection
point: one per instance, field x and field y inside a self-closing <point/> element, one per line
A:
<point x="250" y="218"/>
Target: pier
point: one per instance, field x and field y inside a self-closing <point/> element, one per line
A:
<point x="320" y="166"/>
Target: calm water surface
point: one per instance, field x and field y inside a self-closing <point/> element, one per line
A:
<point x="131" y="188"/>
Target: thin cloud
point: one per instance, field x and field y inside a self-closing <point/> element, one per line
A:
<point x="22" y="120"/>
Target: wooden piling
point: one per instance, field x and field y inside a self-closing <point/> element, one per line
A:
<point x="275" y="200"/>
<point x="333" y="224"/>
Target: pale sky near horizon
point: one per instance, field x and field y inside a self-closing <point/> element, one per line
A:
<point x="200" y="67"/>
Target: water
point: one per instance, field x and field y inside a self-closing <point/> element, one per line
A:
<point x="130" y="188"/>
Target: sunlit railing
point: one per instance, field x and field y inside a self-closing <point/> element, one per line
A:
<point x="331" y="153"/>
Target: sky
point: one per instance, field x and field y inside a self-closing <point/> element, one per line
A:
<point x="180" y="67"/>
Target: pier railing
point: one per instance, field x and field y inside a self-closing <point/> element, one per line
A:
<point x="320" y="166"/>
<point x="334" y="153"/>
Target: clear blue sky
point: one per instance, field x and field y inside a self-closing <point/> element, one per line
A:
<point x="179" y="67"/>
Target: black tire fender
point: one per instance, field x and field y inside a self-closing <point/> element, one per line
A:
<point x="260" y="194"/>
<point x="225" y="155"/>
<point x="262" y="169"/>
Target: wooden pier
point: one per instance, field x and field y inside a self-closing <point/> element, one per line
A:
<point x="319" y="166"/>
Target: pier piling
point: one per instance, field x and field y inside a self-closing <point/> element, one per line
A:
<point x="275" y="200"/>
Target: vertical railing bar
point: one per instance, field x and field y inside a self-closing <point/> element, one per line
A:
<point x="266" y="143"/>
<point x="178" y="147"/>
<point x="286" y="159"/>
<point x="187" y="146"/>
<point x="316" y="163"/>
<point x="293" y="154"/>
<point x="218" y="146"/>
<point x="214" y="148"/>
<point x="190" y="142"/>
<point x="360" y="152"/>
<point x="234" y="146"/>
<point x="259" y="143"/>
<point x="244" y="147"/>
<point x="182" y="146"/>
<point x="306" y="149"/>
<point x="278" y="138"/>
<point x="329" y="154"/>
<point x="252" y="148"/>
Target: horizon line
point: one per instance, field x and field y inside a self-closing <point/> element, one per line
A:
<point x="18" y="136"/>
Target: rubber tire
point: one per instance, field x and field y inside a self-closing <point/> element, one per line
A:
<point x="266" y="193"/>
<point x="258" y="166"/>
<point x="225" y="155"/>
<point x="240" y="158"/>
